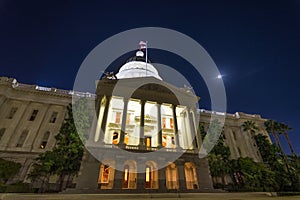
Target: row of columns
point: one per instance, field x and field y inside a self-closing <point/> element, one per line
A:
<point x="195" y="138"/>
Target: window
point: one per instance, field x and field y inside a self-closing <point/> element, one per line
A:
<point x="105" y="174"/>
<point x="22" y="138"/>
<point x="12" y="112"/>
<point x="239" y="150"/>
<point x="2" y="131"/>
<point x="33" y="115"/>
<point x="128" y="118"/>
<point x="53" y="117"/>
<point x="164" y="124"/>
<point x="115" y="138"/>
<point x="171" y="123"/>
<point x="118" y="117"/>
<point x="234" y="135"/>
<point x="45" y="140"/>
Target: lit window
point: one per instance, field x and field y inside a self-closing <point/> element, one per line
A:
<point x="45" y="140"/>
<point x="128" y="118"/>
<point x="105" y="174"/>
<point x="22" y="138"/>
<point x="115" y="138"/>
<point x="33" y="115"/>
<point x="171" y="123"/>
<point x="118" y="117"/>
<point x="53" y="117"/>
<point x="147" y="174"/>
<point x="12" y="112"/>
<point x="164" y="124"/>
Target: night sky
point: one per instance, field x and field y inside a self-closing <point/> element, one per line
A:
<point x="254" y="43"/>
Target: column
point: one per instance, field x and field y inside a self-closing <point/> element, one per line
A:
<point x="102" y="131"/>
<point x="181" y="175"/>
<point x="96" y="127"/>
<point x="162" y="179"/>
<point x="142" y="123"/>
<point x="159" y="143"/>
<point x="123" y="126"/>
<point x="175" y="126"/>
<point x="118" y="178"/>
<point x="192" y="128"/>
<point x="141" y="174"/>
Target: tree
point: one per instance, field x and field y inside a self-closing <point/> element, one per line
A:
<point x="251" y="128"/>
<point x="65" y="158"/>
<point x="253" y="176"/>
<point x="273" y="161"/>
<point x="273" y="127"/>
<point x="283" y="129"/>
<point x="8" y="169"/>
<point x="219" y="156"/>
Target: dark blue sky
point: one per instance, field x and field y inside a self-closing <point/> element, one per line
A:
<point x="254" y="43"/>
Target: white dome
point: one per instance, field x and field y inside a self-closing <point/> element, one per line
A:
<point x="136" y="69"/>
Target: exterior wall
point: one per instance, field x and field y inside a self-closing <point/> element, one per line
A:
<point x="27" y="98"/>
<point x="241" y="143"/>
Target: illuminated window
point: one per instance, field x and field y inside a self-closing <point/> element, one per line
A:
<point x="114" y="121"/>
<point x="2" y="131"/>
<point x="128" y="118"/>
<point x="150" y="124"/>
<point x="105" y="174"/>
<point x="12" y="112"/>
<point x="33" y="115"/>
<point x="126" y="177"/>
<point x="147" y="174"/>
<point x="133" y="122"/>
<point x="45" y="140"/>
<point x="53" y="117"/>
<point x="115" y="138"/>
<point x="118" y="117"/>
<point x="171" y="123"/>
<point x="22" y="138"/>
<point x="164" y="124"/>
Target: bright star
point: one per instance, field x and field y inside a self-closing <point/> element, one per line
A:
<point x="219" y="76"/>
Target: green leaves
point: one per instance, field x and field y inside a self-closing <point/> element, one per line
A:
<point x="65" y="158"/>
<point x="8" y="169"/>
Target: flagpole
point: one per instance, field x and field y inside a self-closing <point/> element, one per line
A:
<point x="146" y="56"/>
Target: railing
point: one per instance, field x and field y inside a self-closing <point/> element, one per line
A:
<point x="47" y="89"/>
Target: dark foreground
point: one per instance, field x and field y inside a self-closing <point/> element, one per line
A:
<point x="172" y="196"/>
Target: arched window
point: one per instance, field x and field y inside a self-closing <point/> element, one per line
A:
<point x="191" y="175"/>
<point x="151" y="175"/>
<point x="172" y="177"/>
<point x="45" y="140"/>
<point x="126" y="176"/>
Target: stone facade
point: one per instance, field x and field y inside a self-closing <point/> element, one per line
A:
<point x="31" y="116"/>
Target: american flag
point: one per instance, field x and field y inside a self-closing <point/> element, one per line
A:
<point x="143" y="45"/>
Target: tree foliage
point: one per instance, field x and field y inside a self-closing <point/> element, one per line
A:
<point x="8" y="169"/>
<point x="65" y="158"/>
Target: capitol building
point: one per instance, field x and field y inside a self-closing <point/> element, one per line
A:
<point x="128" y="130"/>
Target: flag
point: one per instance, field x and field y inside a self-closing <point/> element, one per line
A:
<point x="143" y="45"/>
